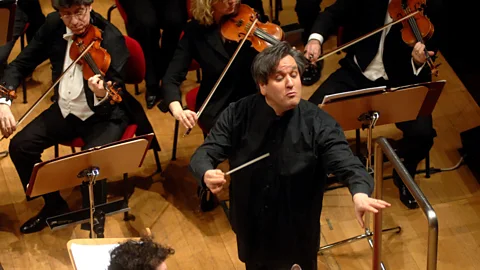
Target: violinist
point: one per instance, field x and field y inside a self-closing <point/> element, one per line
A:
<point x="383" y="59"/>
<point x="203" y="42"/>
<point x="82" y="108"/>
<point x="276" y="203"/>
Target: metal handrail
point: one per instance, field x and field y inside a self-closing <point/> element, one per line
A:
<point x="382" y="146"/>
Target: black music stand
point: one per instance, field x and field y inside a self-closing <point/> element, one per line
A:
<point x="365" y="107"/>
<point x="86" y="167"/>
<point x="7" y="19"/>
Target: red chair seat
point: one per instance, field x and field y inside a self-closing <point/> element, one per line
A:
<point x="78" y="142"/>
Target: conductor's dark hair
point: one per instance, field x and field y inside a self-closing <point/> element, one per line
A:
<point x="58" y="4"/>
<point x="265" y="63"/>
<point x="139" y="255"/>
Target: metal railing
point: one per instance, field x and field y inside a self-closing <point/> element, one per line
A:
<point x="383" y="147"/>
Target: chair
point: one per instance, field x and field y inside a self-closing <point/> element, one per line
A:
<point x="190" y="98"/>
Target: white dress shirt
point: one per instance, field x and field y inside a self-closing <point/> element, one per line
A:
<point x="72" y="98"/>
<point x="375" y="69"/>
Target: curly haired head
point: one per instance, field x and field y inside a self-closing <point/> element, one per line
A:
<point x="139" y="255"/>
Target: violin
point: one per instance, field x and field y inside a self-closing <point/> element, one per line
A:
<point x="96" y="60"/>
<point x="7" y="94"/>
<point x="417" y="28"/>
<point x="242" y="26"/>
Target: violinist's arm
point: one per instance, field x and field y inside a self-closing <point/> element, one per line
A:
<point x="29" y="58"/>
<point x="177" y="71"/>
<point x="119" y="54"/>
<point x="328" y="21"/>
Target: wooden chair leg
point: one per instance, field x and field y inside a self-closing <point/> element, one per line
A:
<point x="157" y="160"/>
<point x="175" y="140"/>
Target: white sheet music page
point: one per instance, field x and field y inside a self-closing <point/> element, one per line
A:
<point x="92" y="257"/>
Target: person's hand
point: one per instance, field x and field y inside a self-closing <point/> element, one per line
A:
<point x="418" y="54"/>
<point x="313" y="50"/>
<point x="214" y="179"/>
<point x="7" y="121"/>
<point x="186" y="117"/>
<point x="364" y="203"/>
<point x="96" y="85"/>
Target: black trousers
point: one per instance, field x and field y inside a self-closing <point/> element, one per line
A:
<point x="50" y="128"/>
<point x="305" y="263"/>
<point x="28" y="11"/>
<point x="145" y="19"/>
<point x="417" y="134"/>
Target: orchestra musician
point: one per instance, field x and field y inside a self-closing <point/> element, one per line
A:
<point x="80" y="109"/>
<point x="383" y="59"/>
<point x="145" y="19"/>
<point x="203" y="42"/>
<point x="275" y="203"/>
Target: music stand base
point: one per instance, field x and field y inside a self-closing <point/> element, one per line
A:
<point x="83" y="215"/>
<point x="368" y="234"/>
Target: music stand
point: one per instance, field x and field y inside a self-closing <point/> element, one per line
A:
<point x="365" y="107"/>
<point x="86" y="167"/>
<point x="7" y="19"/>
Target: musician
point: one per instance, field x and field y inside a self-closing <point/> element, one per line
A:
<point x="275" y="203"/>
<point x="27" y="11"/>
<point x="203" y="42"/>
<point x="144" y="254"/>
<point x="80" y="110"/>
<point x="145" y="19"/>
<point x="382" y="59"/>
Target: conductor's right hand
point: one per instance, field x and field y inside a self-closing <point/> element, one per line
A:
<point x="7" y="121"/>
<point x="214" y="179"/>
<point x="313" y="50"/>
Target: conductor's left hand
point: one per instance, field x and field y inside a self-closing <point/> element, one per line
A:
<point x="364" y="203"/>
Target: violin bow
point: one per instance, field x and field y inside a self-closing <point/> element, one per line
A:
<point x="223" y="74"/>
<point x="4" y="153"/>
<point x="348" y="44"/>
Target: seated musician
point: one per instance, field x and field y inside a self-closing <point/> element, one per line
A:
<point x="382" y="59"/>
<point x="203" y="42"/>
<point x="82" y="110"/>
<point x="144" y="254"/>
<point x="276" y="203"/>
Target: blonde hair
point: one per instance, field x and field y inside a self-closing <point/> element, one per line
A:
<point x="202" y="11"/>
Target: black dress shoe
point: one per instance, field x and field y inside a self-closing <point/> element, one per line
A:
<point x="151" y="100"/>
<point x="407" y="198"/>
<point x="39" y="222"/>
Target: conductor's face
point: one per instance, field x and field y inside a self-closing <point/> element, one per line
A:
<point x="284" y="88"/>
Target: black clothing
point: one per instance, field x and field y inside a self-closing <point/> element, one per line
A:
<point x="275" y="203"/>
<point x="358" y="18"/>
<point x="145" y="18"/>
<point x="204" y="44"/>
<point x="108" y="122"/>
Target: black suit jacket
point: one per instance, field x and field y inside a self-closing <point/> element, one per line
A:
<point x="49" y="43"/>
<point x="359" y="17"/>
<point x="204" y="44"/>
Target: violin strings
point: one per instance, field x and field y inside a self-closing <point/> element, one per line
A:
<point x="94" y="67"/>
<point x="416" y="32"/>
<point x="262" y="34"/>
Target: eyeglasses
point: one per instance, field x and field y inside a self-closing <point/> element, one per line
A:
<point x="80" y="13"/>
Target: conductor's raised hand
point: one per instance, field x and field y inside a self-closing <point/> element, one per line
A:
<point x="364" y="203"/>
<point x="214" y="179"/>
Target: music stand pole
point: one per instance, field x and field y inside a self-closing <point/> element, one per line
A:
<point x="90" y="176"/>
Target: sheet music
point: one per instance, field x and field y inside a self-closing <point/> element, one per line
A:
<point x="332" y="97"/>
<point x="92" y="257"/>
